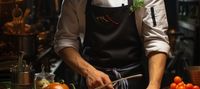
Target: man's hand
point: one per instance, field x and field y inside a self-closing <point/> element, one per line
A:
<point x="98" y="78"/>
<point x="94" y="77"/>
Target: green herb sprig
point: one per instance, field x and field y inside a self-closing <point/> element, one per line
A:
<point x="136" y="4"/>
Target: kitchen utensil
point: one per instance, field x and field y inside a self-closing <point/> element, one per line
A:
<point x="115" y="82"/>
<point x="17" y="14"/>
<point x="26" y="14"/>
<point x="42" y="79"/>
<point x="20" y="61"/>
<point x="21" y="75"/>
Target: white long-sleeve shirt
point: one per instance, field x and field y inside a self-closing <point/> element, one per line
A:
<point x="110" y="3"/>
<point x="71" y="24"/>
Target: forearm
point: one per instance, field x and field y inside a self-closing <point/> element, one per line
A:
<point x="157" y="62"/>
<point x="74" y="60"/>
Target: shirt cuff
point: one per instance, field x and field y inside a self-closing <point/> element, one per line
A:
<point x="157" y="46"/>
<point x="63" y="43"/>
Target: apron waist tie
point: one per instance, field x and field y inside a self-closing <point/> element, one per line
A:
<point x="124" y="83"/>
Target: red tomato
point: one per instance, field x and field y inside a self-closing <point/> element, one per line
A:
<point x="196" y="87"/>
<point x="173" y="86"/>
<point x="189" y="86"/>
<point x="57" y="85"/>
<point x="181" y="84"/>
<point x="181" y="87"/>
<point x="177" y="79"/>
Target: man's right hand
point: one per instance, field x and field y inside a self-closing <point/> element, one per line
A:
<point x="94" y="77"/>
<point x="98" y="78"/>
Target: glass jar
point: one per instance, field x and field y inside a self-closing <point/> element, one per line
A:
<point x="41" y="80"/>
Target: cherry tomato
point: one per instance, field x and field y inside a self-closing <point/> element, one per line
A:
<point x="189" y="86"/>
<point x="196" y="87"/>
<point x="181" y="87"/>
<point x="177" y="79"/>
<point x="173" y="86"/>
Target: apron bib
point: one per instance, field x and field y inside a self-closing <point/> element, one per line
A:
<point x="111" y="38"/>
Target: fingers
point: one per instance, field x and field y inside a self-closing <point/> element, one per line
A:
<point x="106" y="80"/>
<point x="96" y="83"/>
<point x="101" y="82"/>
<point x="98" y="79"/>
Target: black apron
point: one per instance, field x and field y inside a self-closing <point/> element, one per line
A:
<point x="112" y="44"/>
<point x="111" y="38"/>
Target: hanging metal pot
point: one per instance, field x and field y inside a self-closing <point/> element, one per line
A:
<point x="24" y="42"/>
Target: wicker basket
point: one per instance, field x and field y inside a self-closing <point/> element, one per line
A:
<point x="194" y="73"/>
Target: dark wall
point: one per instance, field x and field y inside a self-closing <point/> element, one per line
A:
<point x="171" y="9"/>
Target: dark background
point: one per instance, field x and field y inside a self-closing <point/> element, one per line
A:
<point x="183" y="19"/>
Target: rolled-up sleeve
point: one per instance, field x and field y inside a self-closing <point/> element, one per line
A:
<point x="155" y="27"/>
<point x="68" y="27"/>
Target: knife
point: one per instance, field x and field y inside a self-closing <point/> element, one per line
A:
<point x="115" y="82"/>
